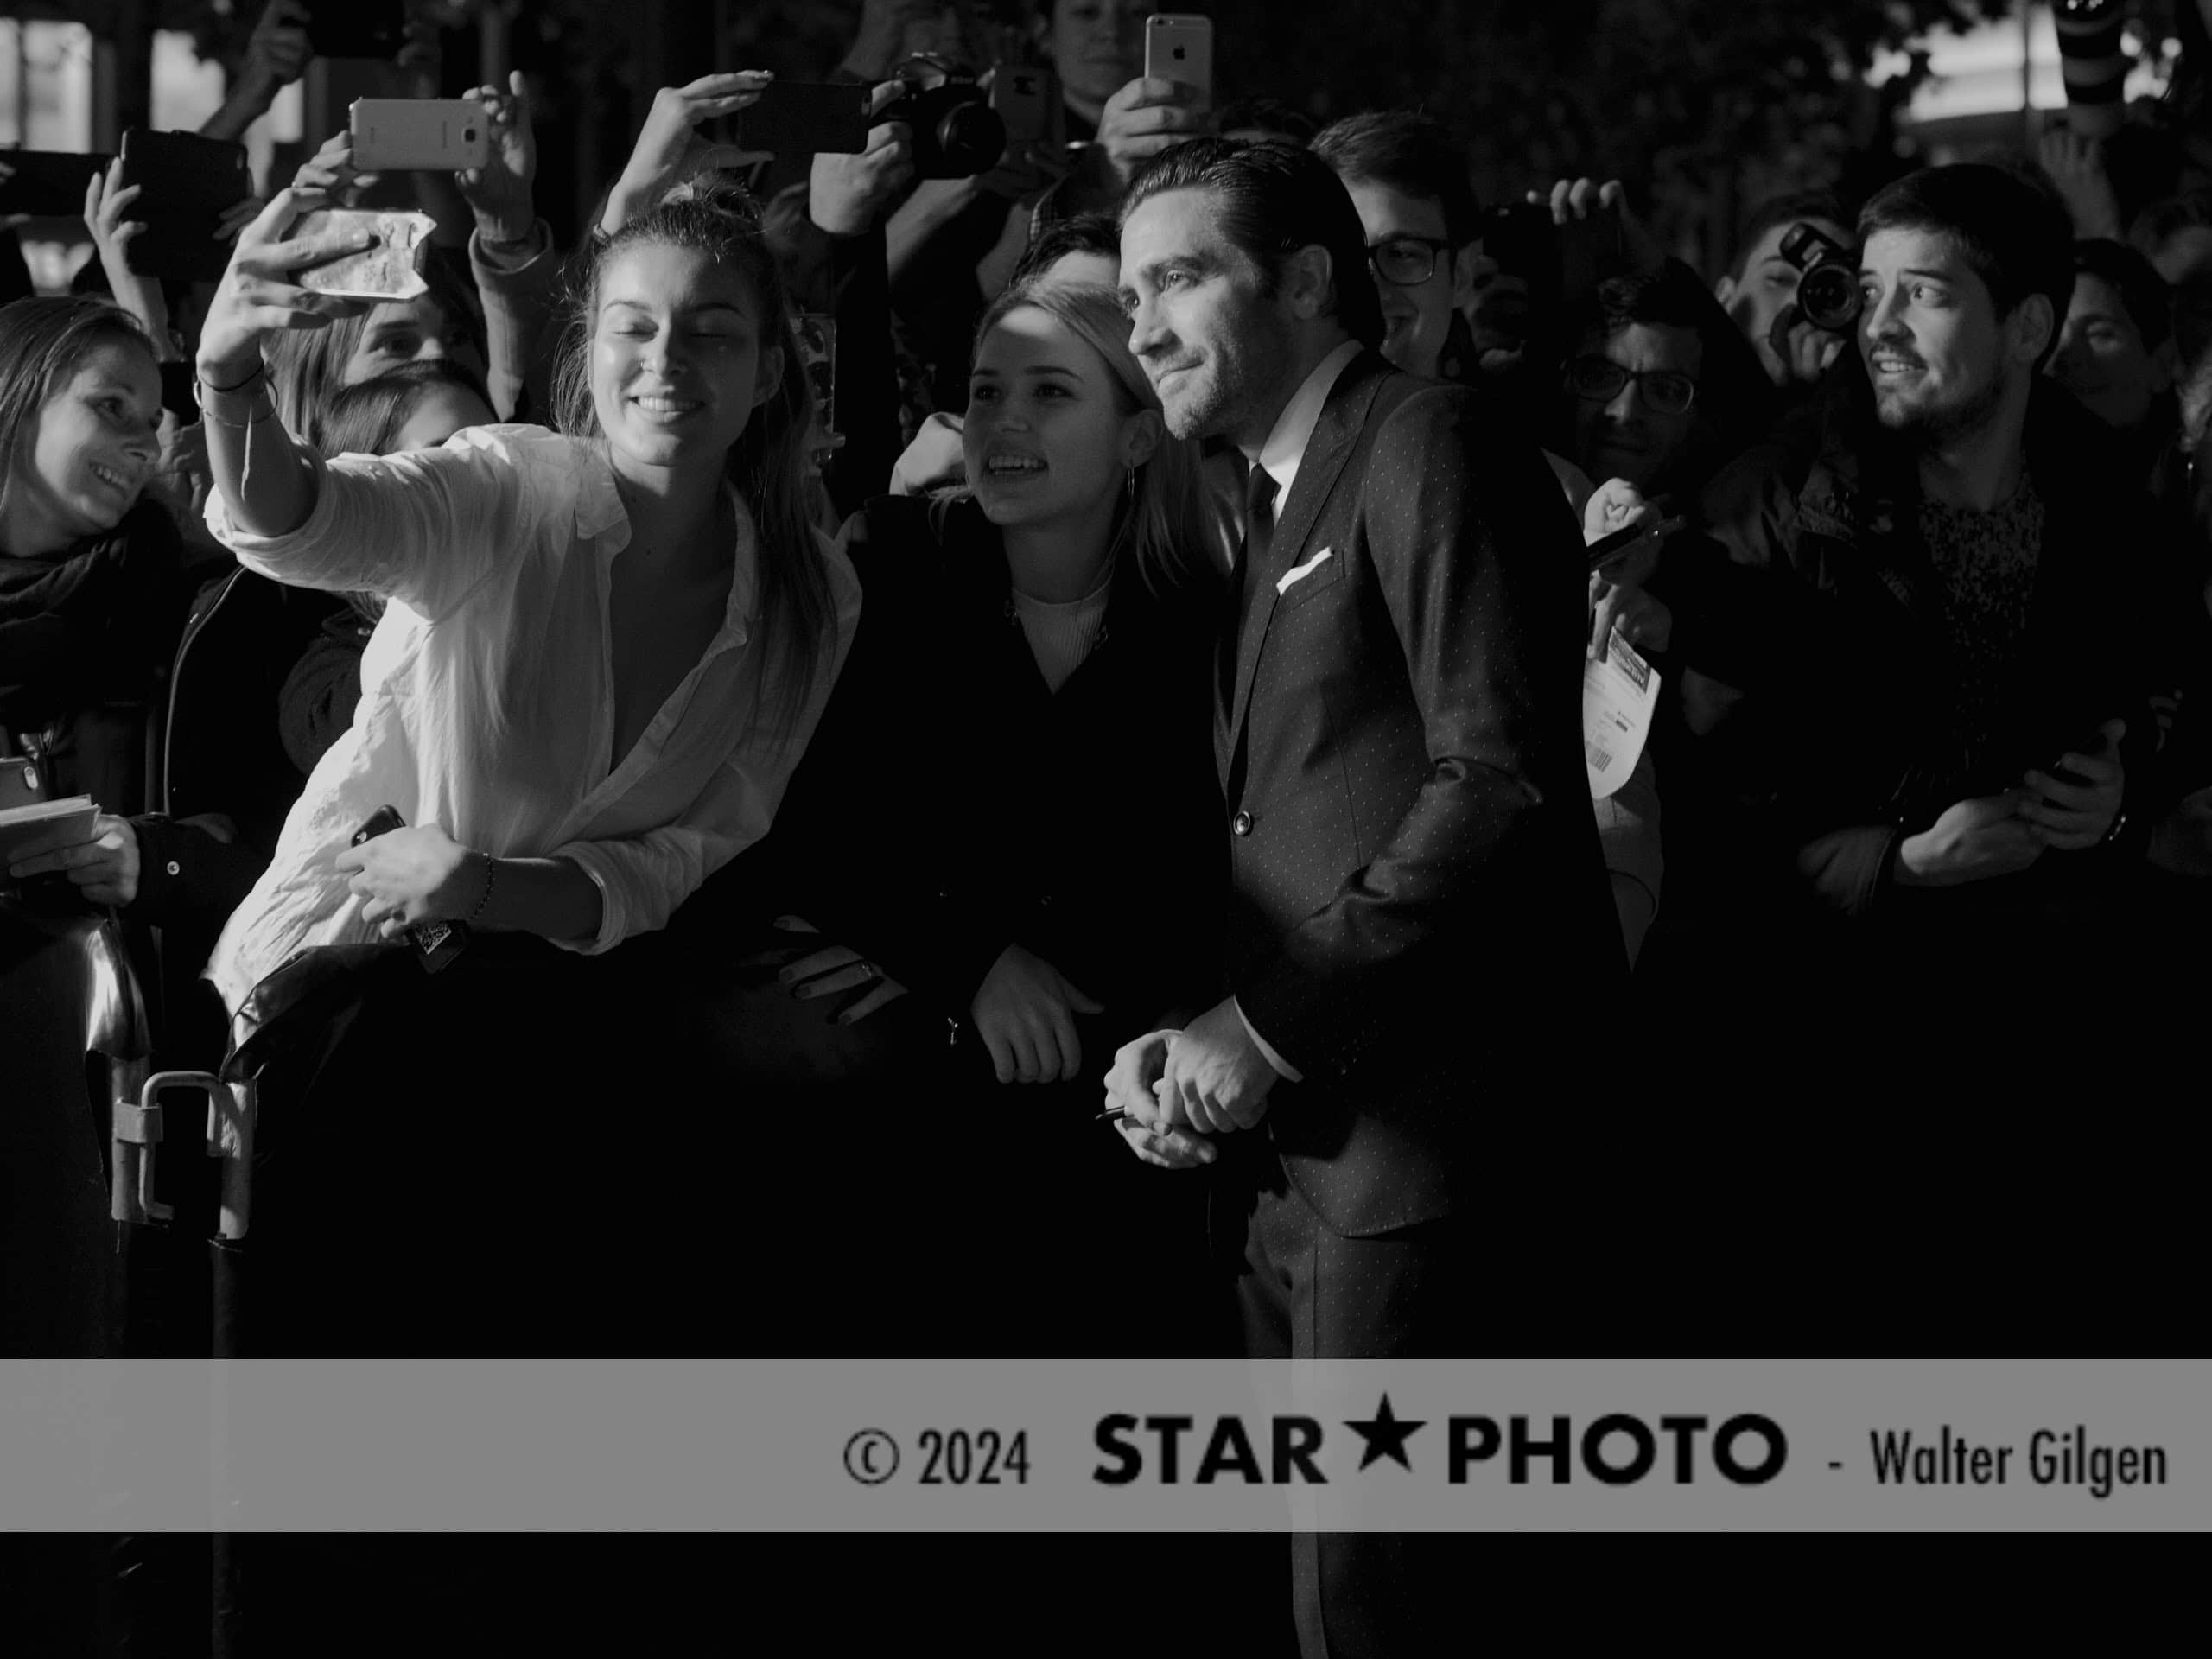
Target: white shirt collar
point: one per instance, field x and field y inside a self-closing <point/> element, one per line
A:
<point x="1286" y="445"/>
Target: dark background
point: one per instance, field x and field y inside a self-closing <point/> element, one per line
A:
<point x="1699" y="106"/>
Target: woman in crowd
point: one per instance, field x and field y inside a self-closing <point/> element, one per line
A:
<point x="1016" y="768"/>
<point x="604" y="650"/>
<point x="91" y="589"/>
<point x="489" y="313"/>
<point x="601" y="732"/>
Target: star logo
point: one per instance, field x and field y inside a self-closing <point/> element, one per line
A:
<point x="1385" y="1435"/>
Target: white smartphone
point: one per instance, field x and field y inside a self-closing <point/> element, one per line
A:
<point x="1179" y="46"/>
<point x="419" y="135"/>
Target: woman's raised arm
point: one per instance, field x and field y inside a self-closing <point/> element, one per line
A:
<point x="266" y="476"/>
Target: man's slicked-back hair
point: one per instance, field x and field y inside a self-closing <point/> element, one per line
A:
<point x="1271" y="201"/>
<point x="1413" y="154"/>
<point x="2017" y="238"/>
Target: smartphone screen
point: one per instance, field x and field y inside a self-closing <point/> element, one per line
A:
<point x="1179" y="46"/>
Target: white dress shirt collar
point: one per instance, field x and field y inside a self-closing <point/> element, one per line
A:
<point x="1286" y="445"/>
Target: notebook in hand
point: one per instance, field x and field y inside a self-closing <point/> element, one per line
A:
<point x="44" y="823"/>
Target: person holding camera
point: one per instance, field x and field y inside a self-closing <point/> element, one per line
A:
<point x="1760" y="287"/>
<point x="1920" y="644"/>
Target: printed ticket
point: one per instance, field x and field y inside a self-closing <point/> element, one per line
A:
<point x="1617" y="697"/>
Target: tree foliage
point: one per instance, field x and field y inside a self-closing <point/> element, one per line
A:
<point x="1697" y="105"/>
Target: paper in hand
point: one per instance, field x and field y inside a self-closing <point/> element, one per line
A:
<point x="1618" y="696"/>
<point x="392" y="270"/>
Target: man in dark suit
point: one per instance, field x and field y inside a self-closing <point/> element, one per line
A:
<point x="1419" y="896"/>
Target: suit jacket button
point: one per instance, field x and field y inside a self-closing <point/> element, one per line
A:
<point x="175" y="868"/>
<point x="1241" y="824"/>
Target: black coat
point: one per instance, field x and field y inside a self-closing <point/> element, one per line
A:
<point x="85" y="638"/>
<point x="1815" y="596"/>
<point x="226" y="783"/>
<point x="949" y="806"/>
<point x="1418" y="892"/>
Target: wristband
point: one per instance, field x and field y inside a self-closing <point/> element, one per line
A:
<point x="262" y="407"/>
<point x="259" y="370"/>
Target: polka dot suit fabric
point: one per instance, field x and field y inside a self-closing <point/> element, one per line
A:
<point x="1419" y="894"/>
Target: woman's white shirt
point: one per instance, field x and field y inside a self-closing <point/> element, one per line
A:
<point x="487" y="694"/>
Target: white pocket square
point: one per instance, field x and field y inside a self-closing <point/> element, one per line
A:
<point x="1302" y="571"/>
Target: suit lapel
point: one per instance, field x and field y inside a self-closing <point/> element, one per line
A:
<point x="1342" y="416"/>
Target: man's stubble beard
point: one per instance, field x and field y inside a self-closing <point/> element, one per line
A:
<point x="1929" y="429"/>
<point x="1239" y="394"/>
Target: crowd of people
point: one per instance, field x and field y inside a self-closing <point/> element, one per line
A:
<point x="1119" y="715"/>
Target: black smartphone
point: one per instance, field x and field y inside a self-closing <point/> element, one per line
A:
<point x="2058" y="769"/>
<point x="382" y="822"/>
<point x="437" y="944"/>
<point x="188" y="184"/>
<point x="1613" y="542"/>
<point x="47" y="183"/>
<point x="357" y="28"/>
<point x="1520" y="237"/>
<point x="794" y="117"/>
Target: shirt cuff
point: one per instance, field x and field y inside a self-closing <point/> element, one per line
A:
<point x="1283" y="1068"/>
<point x="510" y="258"/>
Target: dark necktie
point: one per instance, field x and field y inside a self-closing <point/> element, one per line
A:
<point x="1251" y="559"/>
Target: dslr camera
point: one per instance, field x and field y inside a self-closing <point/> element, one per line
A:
<point x="1828" y="283"/>
<point x="957" y="132"/>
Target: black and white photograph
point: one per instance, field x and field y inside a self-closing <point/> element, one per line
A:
<point x="700" y="696"/>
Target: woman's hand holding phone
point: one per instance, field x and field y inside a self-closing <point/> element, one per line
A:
<point x="412" y="876"/>
<point x="498" y="193"/>
<point x="1146" y="116"/>
<point x="108" y="202"/>
<point x="257" y="293"/>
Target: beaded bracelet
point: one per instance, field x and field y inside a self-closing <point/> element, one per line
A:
<point x="491" y="880"/>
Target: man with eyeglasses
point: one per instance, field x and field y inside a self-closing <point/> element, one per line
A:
<point x="1657" y="384"/>
<point x="1407" y="176"/>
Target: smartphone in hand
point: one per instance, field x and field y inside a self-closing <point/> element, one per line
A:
<point x="419" y="135"/>
<point x="187" y="183"/>
<point x="1179" y="46"/>
<point x="437" y="944"/>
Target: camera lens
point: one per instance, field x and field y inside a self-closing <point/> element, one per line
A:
<point x="972" y="137"/>
<point x="1829" y="297"/>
